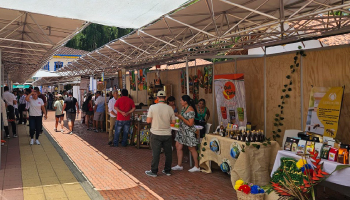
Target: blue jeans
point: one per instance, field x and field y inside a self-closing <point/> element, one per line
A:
<point x="119" y="125"/>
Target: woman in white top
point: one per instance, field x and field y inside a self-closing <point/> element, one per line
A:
<point x="37" y="108"/>
<point x="58" y="106"/>
<point x="4" y="118"/>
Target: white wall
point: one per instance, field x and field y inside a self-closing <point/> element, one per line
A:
<point x="64" y="60"/>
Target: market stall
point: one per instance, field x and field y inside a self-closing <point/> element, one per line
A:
<point x="249" y="163"/>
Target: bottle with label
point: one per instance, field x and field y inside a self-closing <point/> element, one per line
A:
<point x="244" y="136"/>
<point x="248" y="138"/>
<point x="249" y="126"/>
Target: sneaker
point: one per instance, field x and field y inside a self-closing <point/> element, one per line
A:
<point x="37" y="142"/>
<point x="8" y="136"/>
<point x="96" y="130"/>
<point x="166" y="173"/>
<point x="15" y="135"/>
<point x="62" y="131"/>
<point x="195" y="169"/>
<point x="2" y="144"/>
<point x="55" y="129"/>
<point x="31" y="142"/>
<point x="71" y="133"/>
<point x="150" y="173"/>
<point x="177" y="167"/>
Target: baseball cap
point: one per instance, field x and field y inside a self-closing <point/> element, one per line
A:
<point x="161" y="94"/>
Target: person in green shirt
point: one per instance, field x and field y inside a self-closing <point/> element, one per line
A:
<point x="202" y="117"/>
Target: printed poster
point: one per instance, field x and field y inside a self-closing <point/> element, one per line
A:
<point x="324" y="110"/>
<point x="230" y="99"/>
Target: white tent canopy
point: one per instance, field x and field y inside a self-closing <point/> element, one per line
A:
<point x="43" y="73"/>
<point x="121" y="13"/>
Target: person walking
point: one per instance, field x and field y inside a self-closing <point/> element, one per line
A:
<point x="124" y="106"/>
<point x="58" y="106"/>
<point x="160" y="116"/>
<point x="10" y="101"/>
<point x="187" y="133"/>
<point x="113" y="115"/>
<point x="4" y="121"/>
<point x="22" y="108"/>
<point x="99" y="111"/>
<point x="37" y="108"/>
<point x="72" y="108"/>
<point x="89" y="111"/>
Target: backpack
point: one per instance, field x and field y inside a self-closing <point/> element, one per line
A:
<point x="85" y="107"/>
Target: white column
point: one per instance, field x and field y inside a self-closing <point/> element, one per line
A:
<point x="187" y="78"/>
<point x="0" y="103"/>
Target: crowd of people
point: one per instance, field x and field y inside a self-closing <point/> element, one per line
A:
<point x="30" y="105"/>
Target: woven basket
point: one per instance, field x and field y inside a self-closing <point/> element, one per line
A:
<point x="244" y="196"/>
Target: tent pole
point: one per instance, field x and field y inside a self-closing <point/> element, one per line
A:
<point x="301" y="94"/>
<point x="187" y="78"/>
<point x="213" y="92"/>
<point x="0" y="104"/>
<point x="265" y="103"/>
<point x="235" y="65"/>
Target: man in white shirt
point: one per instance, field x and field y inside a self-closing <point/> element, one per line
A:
<point x="160" y="116"/>
<point x="10" y="101"/>
<point x="113" y="115"/>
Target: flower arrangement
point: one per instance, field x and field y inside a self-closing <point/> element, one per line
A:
<point x="297" y="179"/>
<point x="247" y="191"/>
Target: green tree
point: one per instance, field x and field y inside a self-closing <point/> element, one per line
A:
<point x="96" y="35"/>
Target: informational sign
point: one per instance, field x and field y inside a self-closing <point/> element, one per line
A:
<point x="230" y="99"/>
<point x="84" y="83"/>
<point x="324" y="110"/>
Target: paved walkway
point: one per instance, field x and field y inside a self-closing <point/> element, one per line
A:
<point x="36" y="172"/>
<point x="119" y="173"/>
<point x="77" y="166"/>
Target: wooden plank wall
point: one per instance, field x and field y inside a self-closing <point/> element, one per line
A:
<point x="320" y="68"/>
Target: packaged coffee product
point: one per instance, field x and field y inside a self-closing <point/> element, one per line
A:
<point x="343" y="156"/>
<point x="318" y="148"/>
<point x="345" y="146"/>
<point x="310" y="146"/>
<point x="325" y="151"/>
<point x="288" y="144"/>
<point x="301" y="147"/>
<point x="333" y="154"/>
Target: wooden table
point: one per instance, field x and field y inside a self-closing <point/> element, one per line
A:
<point x="253" y="166"/>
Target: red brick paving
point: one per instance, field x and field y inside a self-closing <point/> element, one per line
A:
<point x="89" y="150"/>
<point x="118" y="173"/>
<point x="10" y="173"/>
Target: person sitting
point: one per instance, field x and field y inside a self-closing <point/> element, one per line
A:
<point x="202" y="117"/>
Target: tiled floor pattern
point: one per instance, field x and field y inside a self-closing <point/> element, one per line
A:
<point x="45" y="175"/>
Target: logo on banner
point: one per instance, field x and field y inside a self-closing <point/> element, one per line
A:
<point x="229" y="90"/>
<point x="332" y="96"/>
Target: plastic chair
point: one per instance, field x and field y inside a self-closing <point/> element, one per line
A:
<point x="290" y="133"/>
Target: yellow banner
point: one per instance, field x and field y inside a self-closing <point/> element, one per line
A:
<point x="324" y="110"/>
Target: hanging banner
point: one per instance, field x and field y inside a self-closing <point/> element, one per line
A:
<point x="230" y="99"/>
<point x="84" y="83"/>
<point x="324" y="110"/>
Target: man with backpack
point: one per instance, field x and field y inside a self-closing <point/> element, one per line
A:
<point x="72" y="108"/>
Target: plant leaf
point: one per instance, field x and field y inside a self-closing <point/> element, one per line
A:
<point x="291" y="66"/>
<point x="340" y="167"/>
<point x="277" y="115"/>
<point x="205" y="143"/>
<point x="277" y="135"/>
<point x="288" y="76"/>
<point x="279" y="130"/>
<point x="248" y="144"/>
<point x="203" y="149"/>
